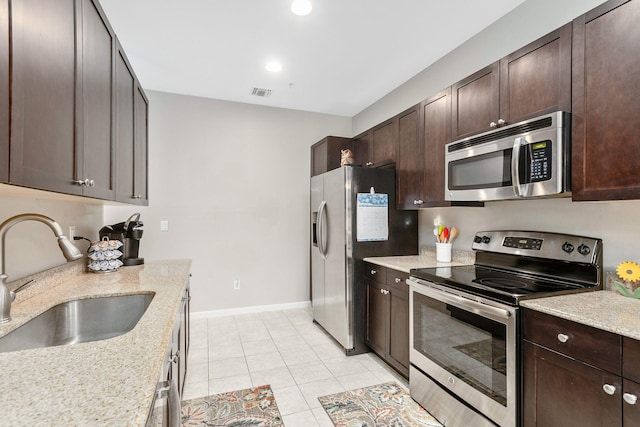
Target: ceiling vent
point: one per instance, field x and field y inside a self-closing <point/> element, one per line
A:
<point x="261" y="92"/>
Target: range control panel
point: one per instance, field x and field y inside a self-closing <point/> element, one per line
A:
<point x="564" y="247"/>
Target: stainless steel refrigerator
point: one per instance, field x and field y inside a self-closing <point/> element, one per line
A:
<point x="338" y="246"/>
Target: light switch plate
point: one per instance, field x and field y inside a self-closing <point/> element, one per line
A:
<point x="164" y="225"/>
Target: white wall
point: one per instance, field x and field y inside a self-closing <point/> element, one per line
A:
<point x="232" y="179"/>
<point x="31" y="247"/>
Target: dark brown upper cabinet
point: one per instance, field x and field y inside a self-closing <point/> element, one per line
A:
<point x="435" y="124"/>
<point x="141" y="148"/>
<point x="125" y="118"/>
<point x="377" y="146"/>
<point x="409" y="165"/>
<point x="534" y="80"/>
<point x="606" y="84"/>
<point x="95" y="106"/>
<point x="326" y="154"/>
<point x="43" y="96"/>
<point x="4" y="90"/>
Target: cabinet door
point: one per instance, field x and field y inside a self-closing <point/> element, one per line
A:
<point x="377" y="317"/>
<point x="361" y="148"/>
<point x="475" y="103"/>
<point x="125" y="98"/>
<point x="383" y="145"/>
<point x="436" y="128"/>
<point x="536" y="79"/>
<point x="631" y="403"/>
<point x="399" y="327"/>
<point x="43" y="98"/>
<point x="4" y="90"/>
<point x="96" y="143"/>
<point x="409" y="167"/>
<point x="605" y="83"/>
<point x="560" y="391"/>
<point x="327" y="154"/>
<point x="141" y="146"/>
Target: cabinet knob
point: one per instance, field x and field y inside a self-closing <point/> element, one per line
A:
<point x="563" y="338"/>
<point x="501" y="122"/>
<point x="609" y="389"/>
<point x="631" y="399"/>
<point x="418" y="202"/>
<point x="493" y="125"/>
<point x="86" y="182"/>
<point x="386" y="292"/>
<point x="369" y="164"/>
<point x="373" y="272"/>
<point x="398" y="280"/>
<point x="382" y="291"/>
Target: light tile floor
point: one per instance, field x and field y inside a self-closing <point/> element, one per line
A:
<point x="284" y="349"/>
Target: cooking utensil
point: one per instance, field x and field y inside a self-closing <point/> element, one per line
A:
<point x="453" y="234"/>
<point x="444" y="236"/>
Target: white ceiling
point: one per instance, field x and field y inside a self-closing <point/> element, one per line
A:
<point x="340" y="59"/>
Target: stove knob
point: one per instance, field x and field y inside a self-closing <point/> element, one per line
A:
<point x="486" y="239"/>
<point x="584" y="249"/>
<point x="477" y="239"/>
<point x="567" y="247"/>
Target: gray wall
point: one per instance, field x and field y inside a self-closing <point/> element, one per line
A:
<point x="232" y="179"/>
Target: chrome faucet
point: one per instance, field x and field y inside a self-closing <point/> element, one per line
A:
<point x="70" y="253"/>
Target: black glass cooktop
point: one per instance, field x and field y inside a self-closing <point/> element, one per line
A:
<point x="499" y="285"/>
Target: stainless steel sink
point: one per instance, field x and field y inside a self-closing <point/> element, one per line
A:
<point x="77" y="321"/>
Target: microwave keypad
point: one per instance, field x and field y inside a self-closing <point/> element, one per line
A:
<point x="540" y="153"/>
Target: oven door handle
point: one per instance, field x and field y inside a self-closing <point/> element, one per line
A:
<point x="460" y="301"/>
<point x="515" y="166"/>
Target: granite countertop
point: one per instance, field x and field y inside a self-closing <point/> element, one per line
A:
<point x="426" y="259"/>
<point x="605" y="310"/>
<point x="108" y="382"/>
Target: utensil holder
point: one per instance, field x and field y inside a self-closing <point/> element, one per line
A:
<point x="443" y="252"/>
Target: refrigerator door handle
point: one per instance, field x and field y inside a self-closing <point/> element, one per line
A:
<point x="321" y="218"/>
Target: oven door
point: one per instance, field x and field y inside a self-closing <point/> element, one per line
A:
<point x="467" y="346"/>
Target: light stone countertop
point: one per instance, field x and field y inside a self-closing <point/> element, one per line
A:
<point x="607" y="310"/>
<point x="109" y="382"/>
<point x="427" y="259"/>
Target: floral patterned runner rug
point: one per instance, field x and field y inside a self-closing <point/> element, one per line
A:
<point x="382" y="405"/>
<point x="251" y="407"/>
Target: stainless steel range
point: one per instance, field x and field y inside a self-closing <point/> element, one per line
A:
<point x="464" y="320"/>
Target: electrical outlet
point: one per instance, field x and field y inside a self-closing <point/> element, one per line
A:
<point x="72" y="232"/>
<point x="164" y="225"/>
<point x="236" y="284"/>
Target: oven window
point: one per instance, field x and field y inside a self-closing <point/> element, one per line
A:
<point x="489" y="170"/>
<point x="470" y="347"/>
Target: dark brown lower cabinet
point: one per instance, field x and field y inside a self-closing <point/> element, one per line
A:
<point x="577" y="376"/>
<point x="387" y="315"/>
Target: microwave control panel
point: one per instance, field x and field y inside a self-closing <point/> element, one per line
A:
<point x="539" y="161"/>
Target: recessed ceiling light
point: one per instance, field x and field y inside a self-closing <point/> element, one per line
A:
<point x="273" y="66"/>
<point x="301" y="7"/>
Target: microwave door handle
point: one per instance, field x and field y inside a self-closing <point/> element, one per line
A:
<point x="515" y="166"/>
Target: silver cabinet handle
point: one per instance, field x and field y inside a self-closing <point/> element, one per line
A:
<point x="398" y="280"/>
<point x="501" y="122"/>
<point x="631" y="399"/>
<point x="418" y="202"/>
<point x="86" y="182"/>
<point x="382" y="291"/>
<point x="563" y="338"/>
<point x="609" y="389"/>
<point x="369" y="164"/>
<point x="386" y="292"/>
<point x="136" y="196"/>
<point x="493" y="125"/>
<point x="373" y="272"/>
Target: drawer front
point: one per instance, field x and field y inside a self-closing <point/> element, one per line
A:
<point x="631" y="359"/>
<point x="397" y="279"/>
<point x="590" y="345"/>
<point x="375" y="272"/>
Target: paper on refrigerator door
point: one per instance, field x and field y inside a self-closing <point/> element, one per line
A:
<point x="372" y="217"/>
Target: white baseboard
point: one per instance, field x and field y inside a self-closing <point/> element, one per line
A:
<point x="245" y="310"/>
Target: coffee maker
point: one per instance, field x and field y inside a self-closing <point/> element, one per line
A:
<point x="129" y="233"/>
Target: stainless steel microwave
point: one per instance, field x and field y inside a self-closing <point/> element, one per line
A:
<point x="523" y="160"/>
